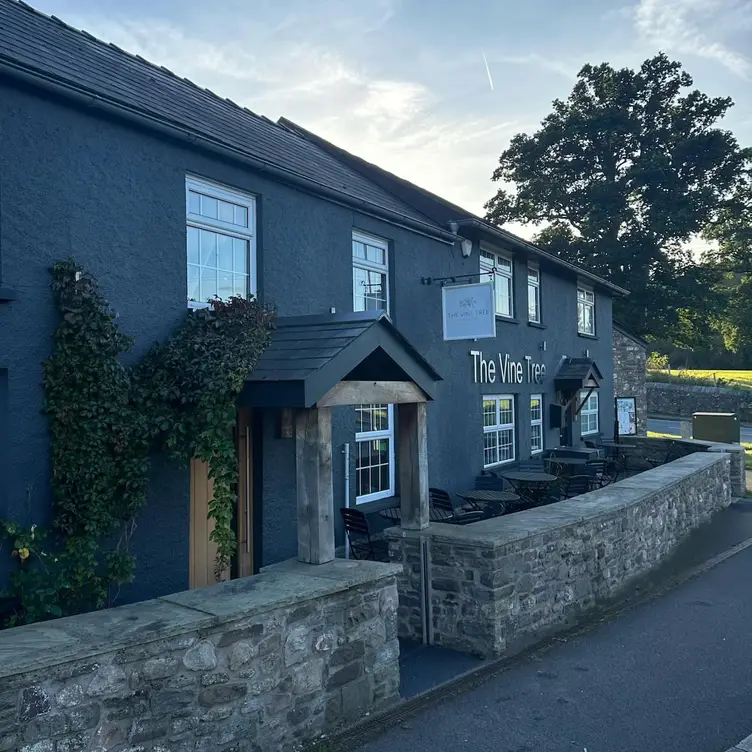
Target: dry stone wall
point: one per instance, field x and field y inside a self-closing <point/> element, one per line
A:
<point x="264" y="663"/>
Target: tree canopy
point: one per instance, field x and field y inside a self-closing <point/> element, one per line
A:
<point x="620" y="176"/>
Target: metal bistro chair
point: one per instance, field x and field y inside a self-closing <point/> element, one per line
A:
<point x="671" y="454"/>
<point x="601" y="473"/>
<point x="442" y="509"/>
<point x="575" y="485"/>
<point x="362" y="543"/>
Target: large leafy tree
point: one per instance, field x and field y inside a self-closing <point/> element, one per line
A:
<point x="620" y="176"/>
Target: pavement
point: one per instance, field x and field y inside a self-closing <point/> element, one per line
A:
<point x="669" y="673"/>
<point x="672" y="426"/>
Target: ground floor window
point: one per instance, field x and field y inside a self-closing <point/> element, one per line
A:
<point x="589" y="413"/>
<point x="498" y="429"/>
<point x="374" y="456"/>
<point x="536" y="423"/>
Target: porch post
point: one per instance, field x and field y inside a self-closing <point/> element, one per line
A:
<point x="313" y="476"/>
<point x="413" y="464"/>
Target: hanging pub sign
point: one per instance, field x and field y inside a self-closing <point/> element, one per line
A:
<point x="468" y="311"/>
<point x="626" y="416"/>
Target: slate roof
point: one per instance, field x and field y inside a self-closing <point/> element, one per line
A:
<point x="47" y="48"/>
<point x="308" y="355"/>
<point x="440" y="210"/>
<point x="574" y="371"/>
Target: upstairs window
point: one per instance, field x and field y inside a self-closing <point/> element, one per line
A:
<point x="585" y="311"/>
<point x="221" y="244"/>
<point x="502" y="273"/>
<point x="370" y="273"/>
<point x="533" y="294"/>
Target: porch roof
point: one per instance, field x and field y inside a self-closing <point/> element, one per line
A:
<point x="577" y="373"/>
<point x="309" y="355"/>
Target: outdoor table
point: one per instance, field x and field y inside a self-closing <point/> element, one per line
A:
<point x="530" y="484"/>
<point x="391" y="513"/>
<point x="480" y="499"/>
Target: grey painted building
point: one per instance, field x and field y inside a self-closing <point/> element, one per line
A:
<point x="169" y="194"/>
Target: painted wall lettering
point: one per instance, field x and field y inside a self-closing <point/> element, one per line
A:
<point x="509" y="371"/>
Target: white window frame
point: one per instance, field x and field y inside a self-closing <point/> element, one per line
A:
<point x="587" y="292"/>
<point x="372" y="266"/>
<point x="536" y="422"/>
<point x="590" y="412"/>
<point x="536" y="286"/>
<point x="487" y="265"/>
<point x="223" y="193"/>
<point x="365" y="436"/>
<point x="500" y="426"/>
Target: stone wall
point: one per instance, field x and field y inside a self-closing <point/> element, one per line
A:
<point x="262" y="663"/>
<point x="630" y="363"/>
<point x="681" y="401"/>
<point x="496" y="585"/>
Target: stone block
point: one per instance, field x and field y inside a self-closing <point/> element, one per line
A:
<point x="43" y="746"/>
<point x="214" y="677"/>
<point x="171" y="701"/>
<point x="347" y="653"/>
<point x="240" y="654"/>
<point x="357" y="698"/>
<point x="308" y="677"/>
<point x="45" y="726"/>
<point x="147" y="729"/>
<point x="253" y="632"/>
<point x="201" y="657"/>
<point x="33" y="702"/>
<point x="344" y="675"/>
<point x="78" y="743"/>
<point x="159" y="668"/>
<point x="107" y="736"/>
<point x="222" y="694"/>
<point x="296" y="646"/>
<point x="108" y="680"/>
<point x="68" y="697"/>
<point x="128" y="706"/>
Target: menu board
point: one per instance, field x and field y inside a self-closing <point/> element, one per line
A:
<point x="626" y="416"/>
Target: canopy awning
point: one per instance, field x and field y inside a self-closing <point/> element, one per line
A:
<point x="577" y="373"/>
<point x="308" y="356"/>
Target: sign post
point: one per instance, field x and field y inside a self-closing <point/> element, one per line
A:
<point x="468" y="311"/>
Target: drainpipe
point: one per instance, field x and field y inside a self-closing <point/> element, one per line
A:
<point x="346" y="452"/>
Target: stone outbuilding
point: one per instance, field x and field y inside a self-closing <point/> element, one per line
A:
<point x="630" y="372"/>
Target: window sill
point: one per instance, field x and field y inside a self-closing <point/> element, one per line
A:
<point x="7" y="294"/>
<point x="585" y="335"/>
<point x="373" y="507"/>
<point x="536" y="324"/>
<point x="500" y="464"/>
<point x="507" y="319"/>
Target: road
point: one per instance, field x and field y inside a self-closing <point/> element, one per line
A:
<point x="672" y="426"/>
<point x="671" y="675"/>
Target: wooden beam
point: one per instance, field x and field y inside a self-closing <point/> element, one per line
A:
<point x="413" y="465"/>
<point x="372" y="393"/>
<point x="315" y="492"/>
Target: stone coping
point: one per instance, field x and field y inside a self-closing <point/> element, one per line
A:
<point x="37" y="646"/>
<point x="501" y="531"/>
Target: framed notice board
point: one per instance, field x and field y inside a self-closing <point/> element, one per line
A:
<point x="626" y="416"/>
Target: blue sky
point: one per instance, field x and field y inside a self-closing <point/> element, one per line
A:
<point x="403" y="82"/>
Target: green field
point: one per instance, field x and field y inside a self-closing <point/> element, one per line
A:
<point x="704" y="377"/>
<point x="747" y="447"/>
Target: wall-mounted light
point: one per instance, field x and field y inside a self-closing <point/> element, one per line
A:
<point x="543" y="345"/>
<point x="467" y="247"/>
<point x="586" y="353"/>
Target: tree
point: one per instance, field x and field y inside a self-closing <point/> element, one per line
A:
<point x="621" y="175"/>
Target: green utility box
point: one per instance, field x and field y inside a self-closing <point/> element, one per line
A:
<point x="722" y="427"/>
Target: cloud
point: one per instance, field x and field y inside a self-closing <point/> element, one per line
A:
<point x="689" y="27"/>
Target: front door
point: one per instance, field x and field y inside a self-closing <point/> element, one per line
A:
<point x="203" y="551"/>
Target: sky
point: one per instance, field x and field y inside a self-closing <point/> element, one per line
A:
<point x="404" y="83"/>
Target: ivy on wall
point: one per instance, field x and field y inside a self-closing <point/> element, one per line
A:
<point x="105" y="420"/>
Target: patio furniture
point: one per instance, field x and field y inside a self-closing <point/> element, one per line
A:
<point x="442" y="509"/>
<point x="600" y="472"/>
<point x="490" y="502"/>
<point x="671" y="454"/>
<point x="362" y="543"/>
<point x="575" y="485"/>
<point x="489" y="481"/>
<point x="531" y="485"/>
<point x="393" y="514"/>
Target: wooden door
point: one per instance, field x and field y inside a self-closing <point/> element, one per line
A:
<point x="203" y="551"/>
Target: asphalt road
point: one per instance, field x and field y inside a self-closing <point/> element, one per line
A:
<point x="672" y="426"/>
<point x="672" y="675"/>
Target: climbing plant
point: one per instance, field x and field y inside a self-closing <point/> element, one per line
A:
<point x="106" y="418"/>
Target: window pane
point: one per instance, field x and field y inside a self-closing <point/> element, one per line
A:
<point x="503" y="296"/>
<point x="490" y="448"/>
<point x="505" y="412"/>
<point x="208" y="284"/>
<point x="241" y="216"/>
<point x="192" y="245"/>
<point x="224" y="252"/>
<point x="506" y="445"/>
<point x="226" y="213"/>
<point x="359" y="250"/>
<point x="589" y="323"/>
<point x="240" y="254"/>
<point x="194" y="202"/>
<point x="533" y="276"/>
<point x="193" y="283"/>
<point x="209" y="207"/>
<point x="225" y="285"/>
<point x="375" y="254"/>
<point x="504" y="265"/>
<point x="532" y="303"/>
<point x="536" y="438"/>
<point x="240" y="285"/>
<point x="489" y="413"/>
<point x="208" y="248"/>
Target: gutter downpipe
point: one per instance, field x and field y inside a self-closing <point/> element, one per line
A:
<point x="91" y="100"/>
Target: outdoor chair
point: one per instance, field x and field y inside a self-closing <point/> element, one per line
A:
<point x="489" y="482"/>
<point x="575" y="485"/>
<point x="535" y="465"/>
<point x="600" y="472"/>
<point x="442" y="509"/>
<point x="617" y="465"/>
<point x="671" y="454"/>
<point x="362" y="543"/>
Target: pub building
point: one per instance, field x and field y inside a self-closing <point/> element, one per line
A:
<point x="416" y="344"/>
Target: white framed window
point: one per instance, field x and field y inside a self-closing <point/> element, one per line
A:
<point x="585" y="311"/>
<point x="536" y="423"/>
<point x="374" y="456"/>
<point x="589" y="413"/>
<point x="498" y="430"/>
<point x="370" y="273"/>
<point x="221" y="242"/>
<point x="533" y="294"/>
<point x="502" y="273"/>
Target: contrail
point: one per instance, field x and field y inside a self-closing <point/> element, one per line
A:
<point x="488" y="70"/>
